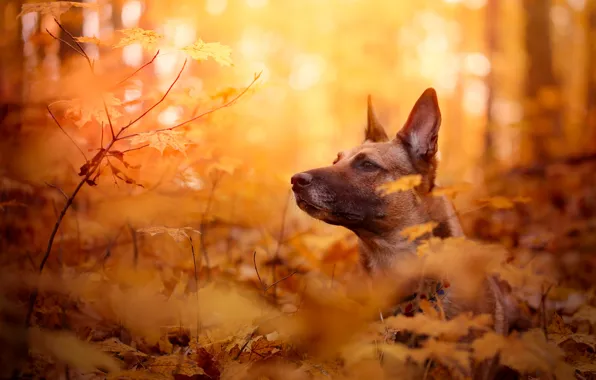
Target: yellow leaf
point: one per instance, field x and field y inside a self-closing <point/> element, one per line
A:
<point x="68" y="349"/>
<point x="162" y="139"/>
<point x="88" y="109"/>
<point x="202" y="51"/>
<point x="529" y="352"/>
<point x="90" y="40"/>
<point x="452" y="329"/>
<point x="405" y="183"/>
<point x="53" y="8"/>
<point x="451" y="191"/>
<point x="500" y="202"/>
<point x="414" y="232"/>
<point x="179" y="234"/>
<point x="147" y="38"/>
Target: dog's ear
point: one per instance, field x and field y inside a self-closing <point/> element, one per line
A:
<point x="421" y="130"/>
<point x="374" y="130"/>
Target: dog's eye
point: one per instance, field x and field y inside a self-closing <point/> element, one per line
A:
<point x="368" y="165"/>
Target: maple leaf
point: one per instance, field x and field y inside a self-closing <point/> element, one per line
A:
<point x="414" y="232"/>
<point x="160" y="140"/>
<point x="90" y="40"/>
<point x="88" y="109"/>
<point x="201" y="51"/>
<point x="53" y="8"/>
<point x="450" y="191"/>
<point x="405" y="183"/>
<point x="528" y="352"/>
<point x="179" y="234"/>
<point x="147" y="38"/>
<point x="453" y="329"/>
<point x="500" y="202"/>
<point x="68" y="349"/>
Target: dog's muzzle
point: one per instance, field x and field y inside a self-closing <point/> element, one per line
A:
<point x="300" y="181"/>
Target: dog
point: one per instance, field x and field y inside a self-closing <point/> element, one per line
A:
<point x="346" y="194"/>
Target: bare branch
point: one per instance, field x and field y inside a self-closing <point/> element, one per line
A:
<point x="105" y="107"/>
<point x="225" y="105"/>
<point x="136" y="71"/>
<point x="254" y="261"/>
<point x="59" y="189"/>
<point x="280" y="280"/>
<point x="82" y="51"/>
<point x="82" y="54"/>
<point x="152" y="107"/>
<point x="67" y="135"/>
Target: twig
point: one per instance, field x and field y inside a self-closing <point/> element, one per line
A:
<point x="67" y="135"/>
<point x="34" y="293"/>
<point x="280" y="280"/>
<point x="66" y="43"/>
<point x="279" y="243"/>
<point x="194" y="262"/>
<point x="59" y="189"/>
<point x="152" y="107"/>
<point x="105" y="107"/>
<point x="203" y="227"/>
<point x="136" y="148"/>
<point x="254" y="261"/>
<point x="225" y="105"/>
<point x="82" y="51"/>
<point x="135" y="247"/>
<point x="136" y="71"/>
<point x="543" y="311"/>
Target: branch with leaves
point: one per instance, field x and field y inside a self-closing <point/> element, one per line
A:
<point x="91" y="170"/>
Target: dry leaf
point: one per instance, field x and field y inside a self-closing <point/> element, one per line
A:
<point x="147" y="38"/>
<point x="202" y="51"/>
<point x="527" y="353"/>
<point x="67" y="348"/>
<point x="405" y="183"/>
<point x="500" y="202"/>
<point x="53" y="8"/>
<point x="88" y="109"/>
<point x="90" y="40"/>
<point x="414" y="232"/>
<point x="160" y="140"/>
<point x="179" y="234"/>
<point x="455" y="328"/>
<point x="450" y="191"/>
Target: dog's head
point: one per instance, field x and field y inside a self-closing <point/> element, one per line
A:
<point x="346" y="193"/>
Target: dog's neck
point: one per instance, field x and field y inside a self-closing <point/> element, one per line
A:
<point x="378" y="252"/>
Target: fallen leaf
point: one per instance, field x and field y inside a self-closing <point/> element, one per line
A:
<point x="67" y="348"/>
<point x="179" y="234"/>
<point x="405" y="183"/>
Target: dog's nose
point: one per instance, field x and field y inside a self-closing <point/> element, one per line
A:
<point x="301" y="179"/>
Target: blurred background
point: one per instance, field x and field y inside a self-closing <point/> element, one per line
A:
<point x="515" y="79"/>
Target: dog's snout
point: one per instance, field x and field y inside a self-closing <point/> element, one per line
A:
<point x="301" y="180"/>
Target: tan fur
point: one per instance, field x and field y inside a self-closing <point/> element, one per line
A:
<point x="345" y="194"/>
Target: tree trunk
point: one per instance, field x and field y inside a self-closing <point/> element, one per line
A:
<point x="492" y="13"/>
<point x="542" y="116"/>
<point x="591" y="78"/>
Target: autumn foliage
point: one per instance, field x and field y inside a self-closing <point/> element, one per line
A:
<point x="150" y="232"/>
